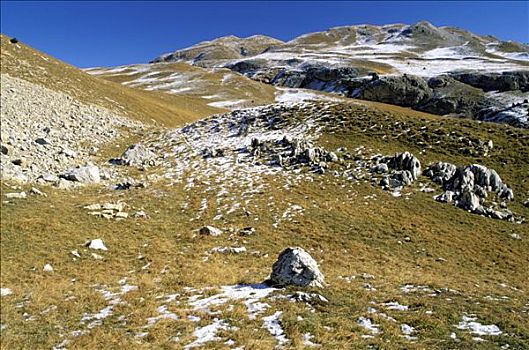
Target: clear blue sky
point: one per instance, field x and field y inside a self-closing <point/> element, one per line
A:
<point x="101" y="33"/>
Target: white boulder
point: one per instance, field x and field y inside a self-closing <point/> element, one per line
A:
<point x="295" y="266"/>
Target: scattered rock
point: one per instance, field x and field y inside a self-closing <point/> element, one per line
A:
<point x="44" y="131"/>
<point x="84" y="174"/>
<point x="93" y="207"/>
<point x="42" y="141"/>
<point x="295" y="266"/>
<point x="141" y="214"/>
<point x="311" y="298"/>
<point x="5" y="292"/>
<point x="210" y="231"/>
<point x="96" y="244"/>
<point x="121" y="215"/>
<point x="38" y="192"/>
<point x="136" y="155"/>
<point x="398" y="170"/>
<point x="247" y="231"/>
<point x="232" y="250"/>
<point x="47" y="268"/>
<point x="49" y="178"/>
<point x="20" y="195"/>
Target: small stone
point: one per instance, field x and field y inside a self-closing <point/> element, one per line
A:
<point x="49" y="177"/>
<point x="93" y="207"/>
<point x="38" y="192"/>
<point x="113" y="206"/>
<point x="20" y="195"/>
<point x="69" y="153"/>
<point x="232" y="250"/>
<point x="140" y="214"/>
<point x="93" y="150"/>
<point x="97" y="256"/>
<point x="247" y="231"/>
<point x="42" y="141"/>
<point x="47" y="268"/>
<point x="83" y="174"/>
<point x="5" y="292"/>
<point x="18" y="161"/>
<point x="96" y="244"/>
<point x="121" y="215"/>
<point x="210" y="231"/>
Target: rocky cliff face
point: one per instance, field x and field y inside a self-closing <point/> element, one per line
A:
<point x="441" y="70"/>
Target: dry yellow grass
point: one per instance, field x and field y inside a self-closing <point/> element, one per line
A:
<point x="21" y="61"/>
<point x="345" y="235"/>
<point x="216" y="84"/>
<point x="482" y="270"/>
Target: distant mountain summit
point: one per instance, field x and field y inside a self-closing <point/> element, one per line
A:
<point x="227" y="47"/>
<point x="388" y="45"/>
<point x="440" y="70"/>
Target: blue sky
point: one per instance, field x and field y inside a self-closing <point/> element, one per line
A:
<point x="99" y="33"/>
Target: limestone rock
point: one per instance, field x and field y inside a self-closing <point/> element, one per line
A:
<point x="469" y="201"/>
<point x="295" y="266"/>
<point x="406" y="90"/>
<point x="96" y="244"/>
<point x="5" y="292"/>
<point x="468" y="187"/>
<point x="137" y="155"/>
<point x="440" y="172"/>
<point x="20" y="195"/>
<point x="210" y="231"/>
<point x="84" y="174"/>
<point x="445" y="197"/>
<point x="405" y="161"/>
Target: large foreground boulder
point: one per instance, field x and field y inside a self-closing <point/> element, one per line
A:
<point x="295" y="266"/>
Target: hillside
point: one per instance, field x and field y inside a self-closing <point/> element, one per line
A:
<point x="166" y="234"/>
<point x="453" y="72"/>
<point x="217" y="88"/>
<point x="21" y="61"/>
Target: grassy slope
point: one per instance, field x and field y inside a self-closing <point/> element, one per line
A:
<point x="206" y="82"/>
<point x="346" y="236"/>
<point x="24" y="62"/>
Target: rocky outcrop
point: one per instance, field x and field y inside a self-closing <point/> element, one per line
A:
<point x="292" y="152"/>
<point x="406" y="90"/>
<point x="397" y="171"/>
<point x="471" y="187"/>
<point x="506" y="81"/>
<point x="295" y="266"/>
<point x="453" y="97"/>
<point x="440" y="172"/>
